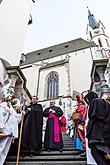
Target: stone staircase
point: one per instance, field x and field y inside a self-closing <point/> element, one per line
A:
<point x="69" y="156"/>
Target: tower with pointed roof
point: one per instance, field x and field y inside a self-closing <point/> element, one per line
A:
<point x="96" y="32"/>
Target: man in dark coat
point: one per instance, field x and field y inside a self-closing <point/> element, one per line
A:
<point x="98" y="129"/>
<point x="32" y="131"/>
<point x="53" y="137"/>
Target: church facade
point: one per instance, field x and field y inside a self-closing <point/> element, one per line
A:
<point x="59" y="72"/>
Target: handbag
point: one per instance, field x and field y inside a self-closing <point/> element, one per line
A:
<point x="76" y="116"/>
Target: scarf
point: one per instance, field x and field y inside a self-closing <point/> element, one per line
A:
<point x="56" y="127"/>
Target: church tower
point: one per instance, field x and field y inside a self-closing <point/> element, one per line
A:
<point x="96" y="32"/>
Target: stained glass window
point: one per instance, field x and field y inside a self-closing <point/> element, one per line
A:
<point x="52" y="85"/>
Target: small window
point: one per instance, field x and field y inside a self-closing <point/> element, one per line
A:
<point x="100" y="43"/>
<point x="66" y="46"/>
<point x="90" y="34"/>
<point x="50" y="50"/>
<point x="39" y="53"/>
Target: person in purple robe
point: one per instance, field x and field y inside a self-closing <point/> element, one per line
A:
<point x="53" y="137"/>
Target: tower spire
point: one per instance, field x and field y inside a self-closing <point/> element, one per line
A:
<point x="96" y="32"/>
<point x="92" y="21"/>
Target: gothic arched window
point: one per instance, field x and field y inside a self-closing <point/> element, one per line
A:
<point x="52" y="84"/>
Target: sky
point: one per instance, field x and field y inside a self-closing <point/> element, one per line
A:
<point x="58" y="21"/>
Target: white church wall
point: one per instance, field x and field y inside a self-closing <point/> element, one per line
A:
<point x="62" y="81"/>
<point x="31" y="75"/>
<point x="80" y="70"/>
<point x="14" y="17"/>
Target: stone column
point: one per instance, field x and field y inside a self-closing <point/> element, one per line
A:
<point x="68" y="78"/>
<point x="68" y="99"/>
<point x="103" y="84"/>
<point x="19" y="88"/>
<point x="36" y="77"/>
<point x="13" y="78"/>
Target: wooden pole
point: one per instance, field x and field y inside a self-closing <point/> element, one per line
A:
<point x="19" y="143"/>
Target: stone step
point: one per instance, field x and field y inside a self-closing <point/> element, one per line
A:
<point x="68" y="141"/>
<point x="71" y="152"/>
<point x="44" y="153"/>
<point x="69" y="156"/>
<point x="69" y="145"/>
<point x="66" y="151"/>
<point x="49" y="158"/>
<point x="69" y="149"/>
<point x="48" y="163"/>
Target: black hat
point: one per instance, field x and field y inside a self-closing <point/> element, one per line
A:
<point x="90" y="96"/>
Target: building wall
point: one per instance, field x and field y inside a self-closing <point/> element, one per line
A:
<point x="73" y="75"/>
<point x="80" y="70"/>
<point x="31" y="75"/>
<point x="14" y="17"/>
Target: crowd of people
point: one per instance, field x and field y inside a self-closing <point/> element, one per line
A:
<point x="88" y="126"/>
<point x="91" y="127"/>
<point x="32" y="129"/>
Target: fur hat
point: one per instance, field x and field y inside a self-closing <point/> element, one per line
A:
<point x="90" y="96"/>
